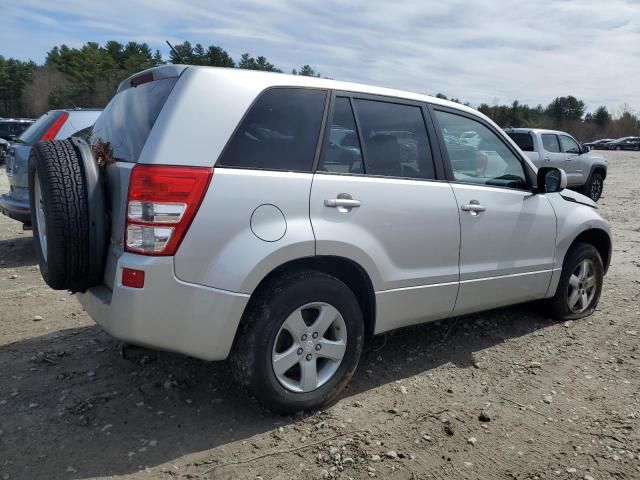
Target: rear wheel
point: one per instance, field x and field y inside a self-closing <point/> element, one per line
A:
<point x="580" y="284"/>
<point x="299" y="342"/>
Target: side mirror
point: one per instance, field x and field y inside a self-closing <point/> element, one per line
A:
<point x="551" y="180"/>
<point x="585" y="149"/>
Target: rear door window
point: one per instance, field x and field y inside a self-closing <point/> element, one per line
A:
<point x="127" y="120"/>
<point x="280" y="131"/>
<point x="395" y="140"/>
<point x="523" y="140"/>
<point x="550" y="143"/>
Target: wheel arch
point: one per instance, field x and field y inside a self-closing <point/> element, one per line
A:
<point x="600" y="240"/>
<point x="346" y="270"/>
<point x="601" y="169"/>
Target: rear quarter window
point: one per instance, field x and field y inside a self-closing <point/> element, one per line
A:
<point x="279" y="132"/>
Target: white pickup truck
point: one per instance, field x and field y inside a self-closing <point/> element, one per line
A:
<point x="585" y="170"/>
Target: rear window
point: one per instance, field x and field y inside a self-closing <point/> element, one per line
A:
<point x="280" y="132"/>
<point x="84" y="134"/>
<point x="37" y="129"/>
<point x="523" y="140"/>
<point x="129" y="117"/>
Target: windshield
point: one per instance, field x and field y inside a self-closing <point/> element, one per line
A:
<point x="129" y="117"/>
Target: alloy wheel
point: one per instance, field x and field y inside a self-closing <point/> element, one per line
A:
<point x="42" y="225"/>
<point x="596" y="189"/>
<point x="582" y="287"/>
<point x="309" y="347"/>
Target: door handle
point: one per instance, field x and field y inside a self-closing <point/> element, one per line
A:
<point x="473" y="207"/>
<point x="547" y="159"/>
<point x="343" y="202"/>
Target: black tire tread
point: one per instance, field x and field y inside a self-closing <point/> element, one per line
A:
<point x="62" y="181"/>
<point x="586" y="189"/>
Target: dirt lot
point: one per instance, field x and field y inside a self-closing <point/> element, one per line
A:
<point x="504" y="394"/>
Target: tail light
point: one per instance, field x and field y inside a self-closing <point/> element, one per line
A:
<point x="55" y="127"/>
<point x="161" y="205"/>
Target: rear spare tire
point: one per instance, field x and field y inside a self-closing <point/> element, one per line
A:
<point x="67" y="213"/>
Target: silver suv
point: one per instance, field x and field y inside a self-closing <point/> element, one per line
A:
<point x="278" y="220"/>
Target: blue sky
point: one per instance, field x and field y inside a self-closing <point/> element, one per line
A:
<point x="479" y="51"/>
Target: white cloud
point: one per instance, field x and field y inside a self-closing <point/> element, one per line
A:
<point x="477" y="51"/>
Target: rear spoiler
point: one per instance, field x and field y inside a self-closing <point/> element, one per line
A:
<point x="152" y="74"/>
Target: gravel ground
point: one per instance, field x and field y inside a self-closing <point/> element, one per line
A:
<point x="503" y="394"/>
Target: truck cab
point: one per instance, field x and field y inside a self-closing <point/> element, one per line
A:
<point x="585" y="170"/>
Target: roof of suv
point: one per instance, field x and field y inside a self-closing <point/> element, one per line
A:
<point x="534" y="130"/>
<point x="272" y="79"/>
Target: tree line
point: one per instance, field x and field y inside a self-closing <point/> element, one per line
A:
<point x="88" y="76"/>
<point x="564" y="113"/>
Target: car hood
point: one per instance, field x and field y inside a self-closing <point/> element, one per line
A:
<point x="575" y="197"/>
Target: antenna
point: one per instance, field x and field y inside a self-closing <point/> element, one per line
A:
<point x="176" y="52"/>
<point x="69" y="100"/>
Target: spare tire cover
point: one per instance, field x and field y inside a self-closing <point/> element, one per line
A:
<point x="66" y="197"/>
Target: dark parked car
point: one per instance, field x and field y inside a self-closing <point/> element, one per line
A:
<point x="53" y="125"/>
<point x="624" y="143"/>
<point x="10" y="129"/>
<point x="4" y="146"/>
<point x="599" y="144"/>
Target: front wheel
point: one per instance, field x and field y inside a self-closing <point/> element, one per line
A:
<point x="594" y="186"/>
<point x="299" y="342"/>
<point x="580" y="284"/>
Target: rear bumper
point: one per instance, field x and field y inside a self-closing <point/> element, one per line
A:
<point x="167" y="313"/>
<point x="16" y="207"/>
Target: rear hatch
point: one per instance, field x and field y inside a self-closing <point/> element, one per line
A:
<point x="125" y="125"/>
